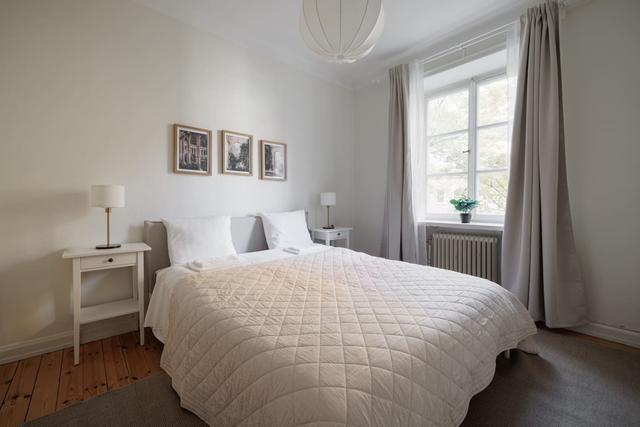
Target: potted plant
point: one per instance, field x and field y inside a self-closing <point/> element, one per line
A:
<point x="464" y="205"/>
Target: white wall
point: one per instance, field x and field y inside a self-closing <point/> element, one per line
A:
<point x="89" y="90"/>
<point x="372" y="129"/>
<point x="600" y="45"/>
<point x="601" y="66"/>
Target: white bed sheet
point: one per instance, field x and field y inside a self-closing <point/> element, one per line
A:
<point x="157" y="317"/>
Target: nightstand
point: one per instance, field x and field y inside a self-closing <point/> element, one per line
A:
<point x="129" y="255"/>
<point x="328" y="235"/>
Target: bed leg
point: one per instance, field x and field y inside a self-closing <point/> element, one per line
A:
<point x="507" y="354"/>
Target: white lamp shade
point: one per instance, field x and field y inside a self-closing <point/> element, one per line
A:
<point x="107" y="196"/>
<point x="342" y="31"/>
<point x="328" y="199"/>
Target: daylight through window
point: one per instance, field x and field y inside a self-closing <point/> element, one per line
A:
<point x="468" y="146"/>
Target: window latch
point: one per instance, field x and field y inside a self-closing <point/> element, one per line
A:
<point x="466" y="151"/>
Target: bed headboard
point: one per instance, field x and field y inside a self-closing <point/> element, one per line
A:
<point x="247" y="234"/>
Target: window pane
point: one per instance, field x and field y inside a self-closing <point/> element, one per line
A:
<point x="492" y="102"/>
<point x="447" y="153"/>
<point x="441" y="189"/>
<point x="492" y="192"/>
<point x="493" y="147"/>
<point x="448" y="113"/>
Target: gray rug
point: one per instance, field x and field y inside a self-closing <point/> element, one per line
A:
<point x="573" y="382"/>
<point x="149" y="402"/>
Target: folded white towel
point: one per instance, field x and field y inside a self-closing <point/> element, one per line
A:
<point x="214" y="263"/>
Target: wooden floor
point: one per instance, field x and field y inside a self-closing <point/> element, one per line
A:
<point x="40" y="385"/>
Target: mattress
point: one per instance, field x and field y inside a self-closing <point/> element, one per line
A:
<point x="336" y="337"/>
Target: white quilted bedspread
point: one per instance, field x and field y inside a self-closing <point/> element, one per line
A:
<point x="337" y="338"/>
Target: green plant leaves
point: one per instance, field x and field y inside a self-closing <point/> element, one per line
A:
<point x="464" y="204"/>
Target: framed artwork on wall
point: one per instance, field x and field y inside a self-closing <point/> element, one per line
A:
<point x="191" y="150"/>
<point x="273" y="160"/>
<point x="236" y="153"/>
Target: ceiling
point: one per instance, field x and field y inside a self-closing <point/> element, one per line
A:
<point x="271" y="26"/>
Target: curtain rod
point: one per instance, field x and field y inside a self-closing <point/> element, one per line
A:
<point x="563" y="6"/>
<point x="475" y="40"/>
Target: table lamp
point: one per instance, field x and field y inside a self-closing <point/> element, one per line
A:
<point x="328" y="199"/>
<point x="107" y="197"/>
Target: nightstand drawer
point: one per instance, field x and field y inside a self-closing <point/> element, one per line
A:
<point x="101" y="261"/>
<point x="337" y="234"/>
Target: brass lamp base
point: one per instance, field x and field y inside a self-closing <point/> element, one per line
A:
<point x="109" y="246"/>
<point x="329" y="226"/>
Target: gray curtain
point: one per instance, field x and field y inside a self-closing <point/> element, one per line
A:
<point x="399" y="237"/>
<point x="539" y="262"/>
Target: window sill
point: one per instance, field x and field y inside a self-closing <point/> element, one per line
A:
<point x="479" y="226"/>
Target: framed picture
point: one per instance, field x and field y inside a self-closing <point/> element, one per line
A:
<point x="273" y="160"/>
<point x="236" y="153"/>
<point x="192" y="150"/>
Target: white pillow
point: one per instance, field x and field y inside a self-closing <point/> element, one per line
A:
<point x="286" y="229"/>
<point x="192" y="239"/>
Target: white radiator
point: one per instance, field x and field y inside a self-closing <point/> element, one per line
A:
<point x="466" y="253"/>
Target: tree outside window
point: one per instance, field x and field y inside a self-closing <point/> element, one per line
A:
<point x="468" y="146"/>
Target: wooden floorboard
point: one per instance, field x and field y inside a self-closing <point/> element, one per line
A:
<point x="152" y="352"/>
<point x="6" y="375"/>
<point x="16" y="402"/>
<point x="134" y="356"/>
<point x="94" y="379"/>
<point x="40" y="385"/>
<point x="114" y="363"/>
<point x="70" y="388"/>
<point x="45" y="391"/>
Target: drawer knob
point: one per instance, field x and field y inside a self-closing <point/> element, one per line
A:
<point x="339" y="234"/>
<point x="110" y="260"/>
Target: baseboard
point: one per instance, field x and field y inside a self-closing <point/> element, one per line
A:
<point x="611" y="333"/>
<point x="90" y="332"/>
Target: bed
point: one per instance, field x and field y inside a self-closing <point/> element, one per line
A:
<point x="327" y="337"/>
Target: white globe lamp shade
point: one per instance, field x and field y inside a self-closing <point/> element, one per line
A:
<point x="342" y="31"/>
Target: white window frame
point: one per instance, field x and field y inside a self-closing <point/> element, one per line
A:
<point x="471" y="85"/>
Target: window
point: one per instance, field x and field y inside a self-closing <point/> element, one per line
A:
<point x="468" y="146"/>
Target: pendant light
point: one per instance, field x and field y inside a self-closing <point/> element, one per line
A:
<point x="342" y="31"/>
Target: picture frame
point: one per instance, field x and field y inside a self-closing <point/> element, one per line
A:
<point x="273" y="160"/>
<point x="192" y="150"/>
<point x="236" y="153"/>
